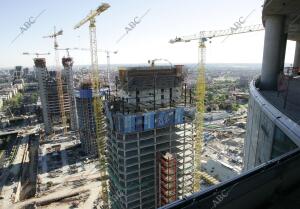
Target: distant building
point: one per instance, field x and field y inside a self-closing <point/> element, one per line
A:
<point x="49" y="95"/>
<point x="18" y="73"/>
<point x="244" y="81"/>
<point x="25" y="72"/>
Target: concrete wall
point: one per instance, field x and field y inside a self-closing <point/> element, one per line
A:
<point x="259" y="135"/>
<point x="29" y="170"/>
<point x="220" y="171"/>
<point x="263" y="118"/>
<point x="41" y="75"/>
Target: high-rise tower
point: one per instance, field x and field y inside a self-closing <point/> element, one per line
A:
<point x="86" y="117"/>
<point x="49" y="95"/>
<point x="150" y="138"/>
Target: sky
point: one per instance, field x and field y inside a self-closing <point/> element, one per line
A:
<point x="149" y="39"/>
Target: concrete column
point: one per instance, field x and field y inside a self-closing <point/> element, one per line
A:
<point x="297" y="55"/>
<point x="41" y="70"/>
<point x="68" y="64"/>
<point x="274" y="51"/>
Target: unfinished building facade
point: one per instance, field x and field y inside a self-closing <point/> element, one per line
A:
<point x="49" y="94"/>
<point x="150" y="138"/>
<point x="68" y="72"/>
<point x="86" y="118"/>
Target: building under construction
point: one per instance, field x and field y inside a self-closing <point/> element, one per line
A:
<point x="150" y="137"/>
<point x="86" y="117"/>
<point x="49" y="94"/>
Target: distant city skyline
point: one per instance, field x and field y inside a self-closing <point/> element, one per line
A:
<point x="148" y="39"/>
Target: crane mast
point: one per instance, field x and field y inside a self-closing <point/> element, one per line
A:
<point x="202" y="38"/>
<point x="97" y="103"/>
<point x="60" y="92"/>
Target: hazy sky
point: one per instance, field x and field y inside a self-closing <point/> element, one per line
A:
<point x="148" y="40"/>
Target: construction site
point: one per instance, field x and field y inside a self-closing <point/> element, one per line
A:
<point x="63" y="179"/>
<point x="139" y="141"/>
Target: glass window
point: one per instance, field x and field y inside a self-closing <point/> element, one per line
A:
<point x="282" y="144"/>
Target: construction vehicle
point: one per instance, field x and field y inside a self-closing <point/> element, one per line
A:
<point x="59" y="79"/>
<point x="97" y="103"/>
<point x="202" y="38"/>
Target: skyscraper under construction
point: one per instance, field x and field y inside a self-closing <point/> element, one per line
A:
<point x="150" y="137"/>
<point x="85" y="96"/>
<point x="49" y="94"/>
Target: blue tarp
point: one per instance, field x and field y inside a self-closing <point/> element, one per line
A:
<point x="129" y="123"/>
<point x="190" y="112"/>
<point x="86" y="93"/>
<point x="179" y="115"/>
<point x="149" y="121"/>
<point x="139" y="120"/>
<point x="119" y="122"/>
<point x="164" y="118"/>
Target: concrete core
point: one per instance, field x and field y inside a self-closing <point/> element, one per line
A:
<point x="273" y="57"/>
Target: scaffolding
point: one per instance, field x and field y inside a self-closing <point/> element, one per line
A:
<point x="168" y="179"/>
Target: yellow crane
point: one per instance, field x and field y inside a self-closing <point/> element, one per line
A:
<point x="97" y="103"/>
<point x="202" y="38"/>
<point x="60" y="92"/>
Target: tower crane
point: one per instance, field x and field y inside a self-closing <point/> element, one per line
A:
<point x="67" y="50"/>
<point x="202" y="38"/>
<point x="108" y="53"/>
<point x="60" y="92"/>
<point x="36" y="54"/>
<point x="97" y="103"/>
